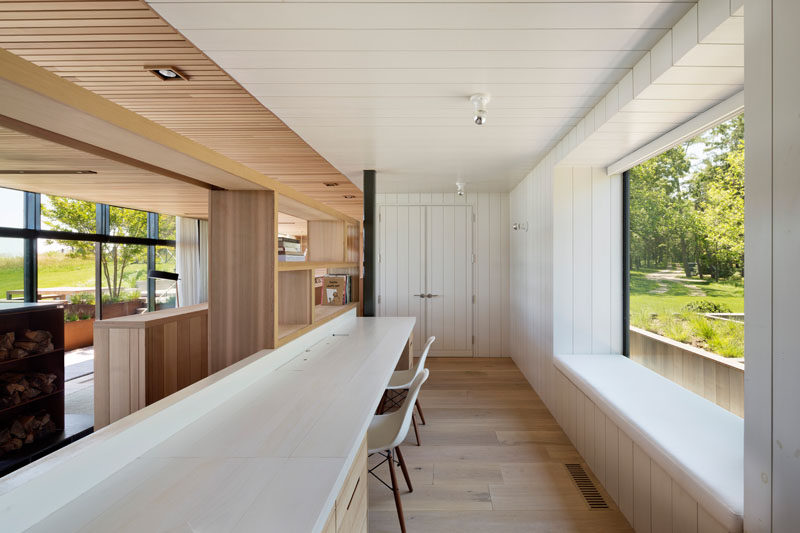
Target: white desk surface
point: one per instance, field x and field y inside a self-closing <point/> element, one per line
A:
<point x="271" y="457"/>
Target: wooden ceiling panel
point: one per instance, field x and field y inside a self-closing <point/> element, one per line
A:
<point x="104" y="46"/>
<point x="113" y="182"/>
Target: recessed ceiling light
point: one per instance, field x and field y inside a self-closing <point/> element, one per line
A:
<point x="349" y="196"/>
<point x="331" y="184"/>
<point x="167" y="73"/>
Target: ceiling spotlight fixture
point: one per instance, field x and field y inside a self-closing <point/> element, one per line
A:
<point x="349" y="196"/>
<point x="479" y="102"/>
<point x="331" y="184"/>
<point x="167" y="73"/>
<point x="460" y="189"/>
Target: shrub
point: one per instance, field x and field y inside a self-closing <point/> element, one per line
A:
<point x="704" y="328"/>
<point x="70" y="317"/>
<point x="706" y="306"/>
<point x="82" y="298"/>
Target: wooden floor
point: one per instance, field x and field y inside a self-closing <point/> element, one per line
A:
<point x="492" y="460"/>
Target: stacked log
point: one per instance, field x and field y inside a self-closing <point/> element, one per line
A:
<point x="25" y="429"/>
<point x="16" y="388"/>
<point x="31" y="342"/>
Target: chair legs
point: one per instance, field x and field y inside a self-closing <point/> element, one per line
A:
<point x="419" y="410"/>
<point x="416" y="431"/>
<point x="396" y="492"/>
<point x="404" y="469"/>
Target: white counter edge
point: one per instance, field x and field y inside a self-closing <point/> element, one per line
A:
<point x="39" y="489"/>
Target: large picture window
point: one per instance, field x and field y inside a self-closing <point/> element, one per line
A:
<point x="685" y="257"/>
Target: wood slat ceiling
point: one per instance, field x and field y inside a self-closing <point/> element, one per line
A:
<point x="114" y="183"/>
<point x="104" y="46"/>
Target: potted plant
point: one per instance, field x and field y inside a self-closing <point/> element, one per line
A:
<point x="78" y="330"/>
<point x="126" y="303"/>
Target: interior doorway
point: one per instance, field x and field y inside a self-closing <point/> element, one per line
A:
<point x="425" y="268"/>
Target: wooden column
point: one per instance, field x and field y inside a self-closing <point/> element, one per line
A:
<point x="242" y="275"/>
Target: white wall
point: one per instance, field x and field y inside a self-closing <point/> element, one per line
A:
<point x="587" y="247"/>
<point x="772" y="251"/>
<point x="490" y="272"/>
<point x="531" y="313"/>
<point x="566" y="270"/>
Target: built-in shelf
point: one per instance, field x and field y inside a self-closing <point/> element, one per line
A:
<point x="284" y="330"/>
<point x="25" y="403"/>
<point x="312" y="265"/>
<point x="14" y="362"/>
<point x="323" y="313"/>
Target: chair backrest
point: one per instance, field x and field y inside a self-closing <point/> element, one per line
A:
<point x="420" y="364"/>
<point x="406" y="411"/>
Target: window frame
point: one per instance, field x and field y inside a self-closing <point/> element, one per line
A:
<point x="32" y="231"/>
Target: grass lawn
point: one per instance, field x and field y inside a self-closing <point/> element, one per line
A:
<point x="60" y="270"/>
<point x="666" y="314"/>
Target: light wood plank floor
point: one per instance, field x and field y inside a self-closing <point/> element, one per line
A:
<point x="492" y="460"/>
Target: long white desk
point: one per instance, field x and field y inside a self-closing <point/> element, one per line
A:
<point x="264" y="445"/>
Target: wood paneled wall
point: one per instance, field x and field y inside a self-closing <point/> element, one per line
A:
<point x="242" y="274"/>
<point x="708" y="375"/>
<point x="490" y="272"/>
<point x="649" y="498"/>
<point x="141" y="359"/>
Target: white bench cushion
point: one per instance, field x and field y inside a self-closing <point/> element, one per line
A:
<point x="699" y="444"/>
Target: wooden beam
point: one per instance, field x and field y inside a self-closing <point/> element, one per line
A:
<point x="42" y="82"/>
<point x="69" y="142"/>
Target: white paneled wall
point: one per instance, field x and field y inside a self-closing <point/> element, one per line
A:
<point x="531" y="327"/>
<point x="587" y="247"/>
<point x="574" y="220"/>
<point x="649" y="498"/>
<point x="490" y="272"/>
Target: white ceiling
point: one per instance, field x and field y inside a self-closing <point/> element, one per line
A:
<point x="385" y="85"/>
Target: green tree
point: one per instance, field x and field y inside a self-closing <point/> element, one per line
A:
<point x="66" y="214"/>
<point x="660" y="211"/>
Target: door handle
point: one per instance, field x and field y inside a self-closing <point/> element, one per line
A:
<point x="420" y="295"/>
<point x="429" y="295"/>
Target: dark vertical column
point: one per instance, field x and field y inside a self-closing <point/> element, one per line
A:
<point x="103" y="223"/>
<point x="152" y="233"/>
<point x="626" y="264"/>
<point x="33" y="219"/>
<point x="370" y="228"/>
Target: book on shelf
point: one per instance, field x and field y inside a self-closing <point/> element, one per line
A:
<point x="289" y="249"/>
<point x="337" y="289"/>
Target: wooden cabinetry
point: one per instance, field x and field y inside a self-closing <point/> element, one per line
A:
<point x="349" y="514"/>
<point x="140" y="359"/>
<point x="243" y="245"/>
<point x="256" y="301"/>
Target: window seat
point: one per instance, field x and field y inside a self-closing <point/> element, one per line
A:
<point x="698" y="443"/>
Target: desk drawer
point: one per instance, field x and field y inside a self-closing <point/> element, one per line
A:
<point x="351" y="504"/>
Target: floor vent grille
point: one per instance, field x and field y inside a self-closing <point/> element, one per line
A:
<point x="586" y="486"/>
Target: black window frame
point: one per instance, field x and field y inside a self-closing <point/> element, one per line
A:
<point x="32" y="232"/>
<point x="626" y="264"/>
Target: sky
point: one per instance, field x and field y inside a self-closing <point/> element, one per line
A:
<point x="12" y="216"/>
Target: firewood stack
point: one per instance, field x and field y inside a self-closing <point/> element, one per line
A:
<point x="31" y="343"/>
<point x="25" y="429"/>
<point x="17" y="388"/>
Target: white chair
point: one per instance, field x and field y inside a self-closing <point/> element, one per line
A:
<point x="384" y="436"/>
<point x="402" y="379"/>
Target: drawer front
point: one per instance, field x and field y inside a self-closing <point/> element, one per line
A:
<point x="351" y="505"/>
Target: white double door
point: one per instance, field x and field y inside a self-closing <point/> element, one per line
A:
<point x="425" y="259"/>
